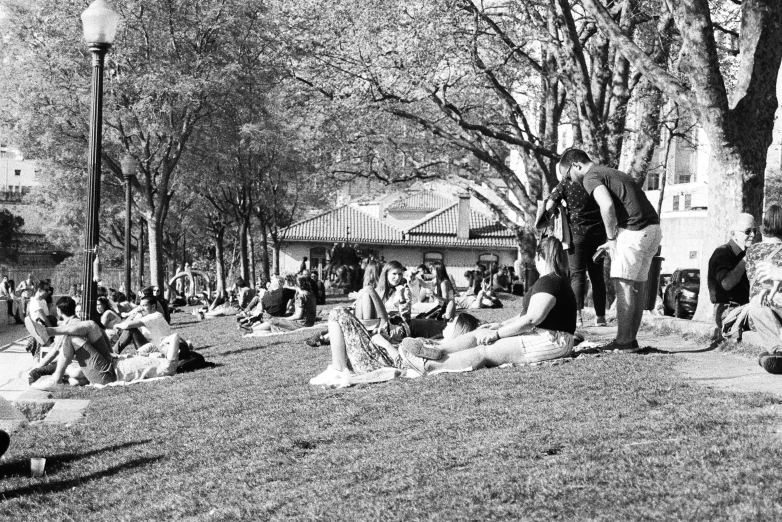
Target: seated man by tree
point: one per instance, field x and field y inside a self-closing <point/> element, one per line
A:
<point x="86" y="342"/>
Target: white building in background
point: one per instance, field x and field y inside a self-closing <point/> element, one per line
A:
<point x="17" y="175"/>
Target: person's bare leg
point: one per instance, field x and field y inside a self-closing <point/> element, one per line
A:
<point x="501" y="352"/>
<point x="365" y="308"/>
<point x="638" y="311"/>
<point x="339" y="356"/>
<point x="626" y="299"/>
<point x="458" y="344"/>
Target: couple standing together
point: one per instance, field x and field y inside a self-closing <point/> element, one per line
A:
<point x="608" y="211"/>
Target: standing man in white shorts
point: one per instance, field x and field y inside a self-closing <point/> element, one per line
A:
<point x="634" y="236"/>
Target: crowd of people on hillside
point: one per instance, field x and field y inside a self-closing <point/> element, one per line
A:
<point x="415" y="320"/>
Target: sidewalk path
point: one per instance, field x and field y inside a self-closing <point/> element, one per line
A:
<point x="14" y="362"/>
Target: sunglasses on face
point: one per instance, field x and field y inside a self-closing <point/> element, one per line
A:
<point x="749" y="231"/>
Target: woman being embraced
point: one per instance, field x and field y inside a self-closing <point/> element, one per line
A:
<point x="354" y="351"/>
<point x="544" y="331"/>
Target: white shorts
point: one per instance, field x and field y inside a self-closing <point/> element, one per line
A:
<point x="135" y="368"/>
<point x="545" y="345"/>
<point x="633" y="253"/>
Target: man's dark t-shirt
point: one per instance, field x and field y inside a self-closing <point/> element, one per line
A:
<point x="633" y="209"/>
<point x="722" y="262"/>
<point x="275" y="302"/>
<point x="583" y="212"/>
<point x="562" y="317"/>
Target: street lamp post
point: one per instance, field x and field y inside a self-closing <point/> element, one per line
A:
<point x="99" y="23"/>
<point x="129" y="169"/>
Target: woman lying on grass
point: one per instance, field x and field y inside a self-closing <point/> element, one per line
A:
<point x="544" y="331"/>
<point x="355" y="351"/>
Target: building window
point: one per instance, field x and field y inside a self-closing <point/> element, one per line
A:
<point x="676" y="203"/>
<point x="17" y="173"/>
<point x="687" y="201"/>
<point x="317" y="257"/>
<point x="489" y="260"/>
<point x="433" y="256"/>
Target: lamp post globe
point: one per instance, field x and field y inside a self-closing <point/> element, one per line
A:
<point x="130" y="167"/>
<point x="100" y="23"/>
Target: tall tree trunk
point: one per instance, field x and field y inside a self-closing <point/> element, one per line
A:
<point x="219" y="241"/>
<point x="184" y="250"/>
<point x="252" y="257"/>
<point x="244" y="226"/>
<point x="156" y="266"/>
<point x="140" y="280"/>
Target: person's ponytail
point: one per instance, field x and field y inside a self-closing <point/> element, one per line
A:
<point x="551" y="251"/>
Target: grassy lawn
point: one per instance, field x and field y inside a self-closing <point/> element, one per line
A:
<point x="615" y="438"/>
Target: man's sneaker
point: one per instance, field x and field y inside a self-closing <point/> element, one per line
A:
<point x="614" y="346"/>
<point x="419" y="348"/>
<point x="601" y="321"/>
<point x="412" y="362"/>
<point x="37" y="330"/>
<point x="46" y="383"/>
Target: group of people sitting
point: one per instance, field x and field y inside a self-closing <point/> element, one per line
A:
<point x="381" y="333"/>
<point x="97" y="347"/>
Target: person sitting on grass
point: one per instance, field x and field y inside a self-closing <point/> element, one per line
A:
<point x="483" y="297"/>
<point x="355" y="351"/>
<point x="149" y="331"/>
<point x="86" y="342"/>
<point x="108" y="317"/>
<point x="305" y="312"/>
<point x="443" y="291"/>
<point x="275" y="302"/>
<point x="544" y="331"/>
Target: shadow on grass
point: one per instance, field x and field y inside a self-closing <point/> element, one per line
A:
<point x="252" y="348"/>
<point x="53" y="487"/>
<point x="55" y="463"/>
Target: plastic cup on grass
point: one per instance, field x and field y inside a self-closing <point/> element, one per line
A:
<point x="37" y="465"/>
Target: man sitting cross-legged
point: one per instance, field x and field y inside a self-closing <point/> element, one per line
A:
<point x="86" y="342"/>
<point x="147" y="330"/>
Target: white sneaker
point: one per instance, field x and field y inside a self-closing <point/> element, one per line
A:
<point x="45" y="383"/>
<point x="332" y="378"/>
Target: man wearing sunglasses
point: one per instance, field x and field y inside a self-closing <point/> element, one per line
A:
<point x="727" y="278"/>
<point x="633" y="237"/>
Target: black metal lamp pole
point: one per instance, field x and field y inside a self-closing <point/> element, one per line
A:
<point x="100" y="26"/>
<point x="129" y="169"/>
<point x="93" y="188"/>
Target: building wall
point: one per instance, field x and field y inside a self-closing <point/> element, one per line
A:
<point x="682" y="245"/>
<point x="16" y="175"/>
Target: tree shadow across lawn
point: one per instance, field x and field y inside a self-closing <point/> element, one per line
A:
<point x="54" y="487"/>
<point x="55" y="463"/>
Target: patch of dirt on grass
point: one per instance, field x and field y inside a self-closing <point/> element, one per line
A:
<point x="34" y="411"/>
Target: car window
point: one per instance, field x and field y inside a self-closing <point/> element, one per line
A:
<point x="691" y="276"/>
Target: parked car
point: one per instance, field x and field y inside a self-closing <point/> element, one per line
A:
<point x="680" y="297"/>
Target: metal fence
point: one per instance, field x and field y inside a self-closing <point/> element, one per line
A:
<point x="64" y="279"/>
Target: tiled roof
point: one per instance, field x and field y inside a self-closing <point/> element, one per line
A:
<point x="440" y="229"/>
<point x="343" y="224"/>
<point x="428" y="200"/>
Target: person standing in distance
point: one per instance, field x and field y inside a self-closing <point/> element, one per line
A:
<point x="633" y="236"/>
